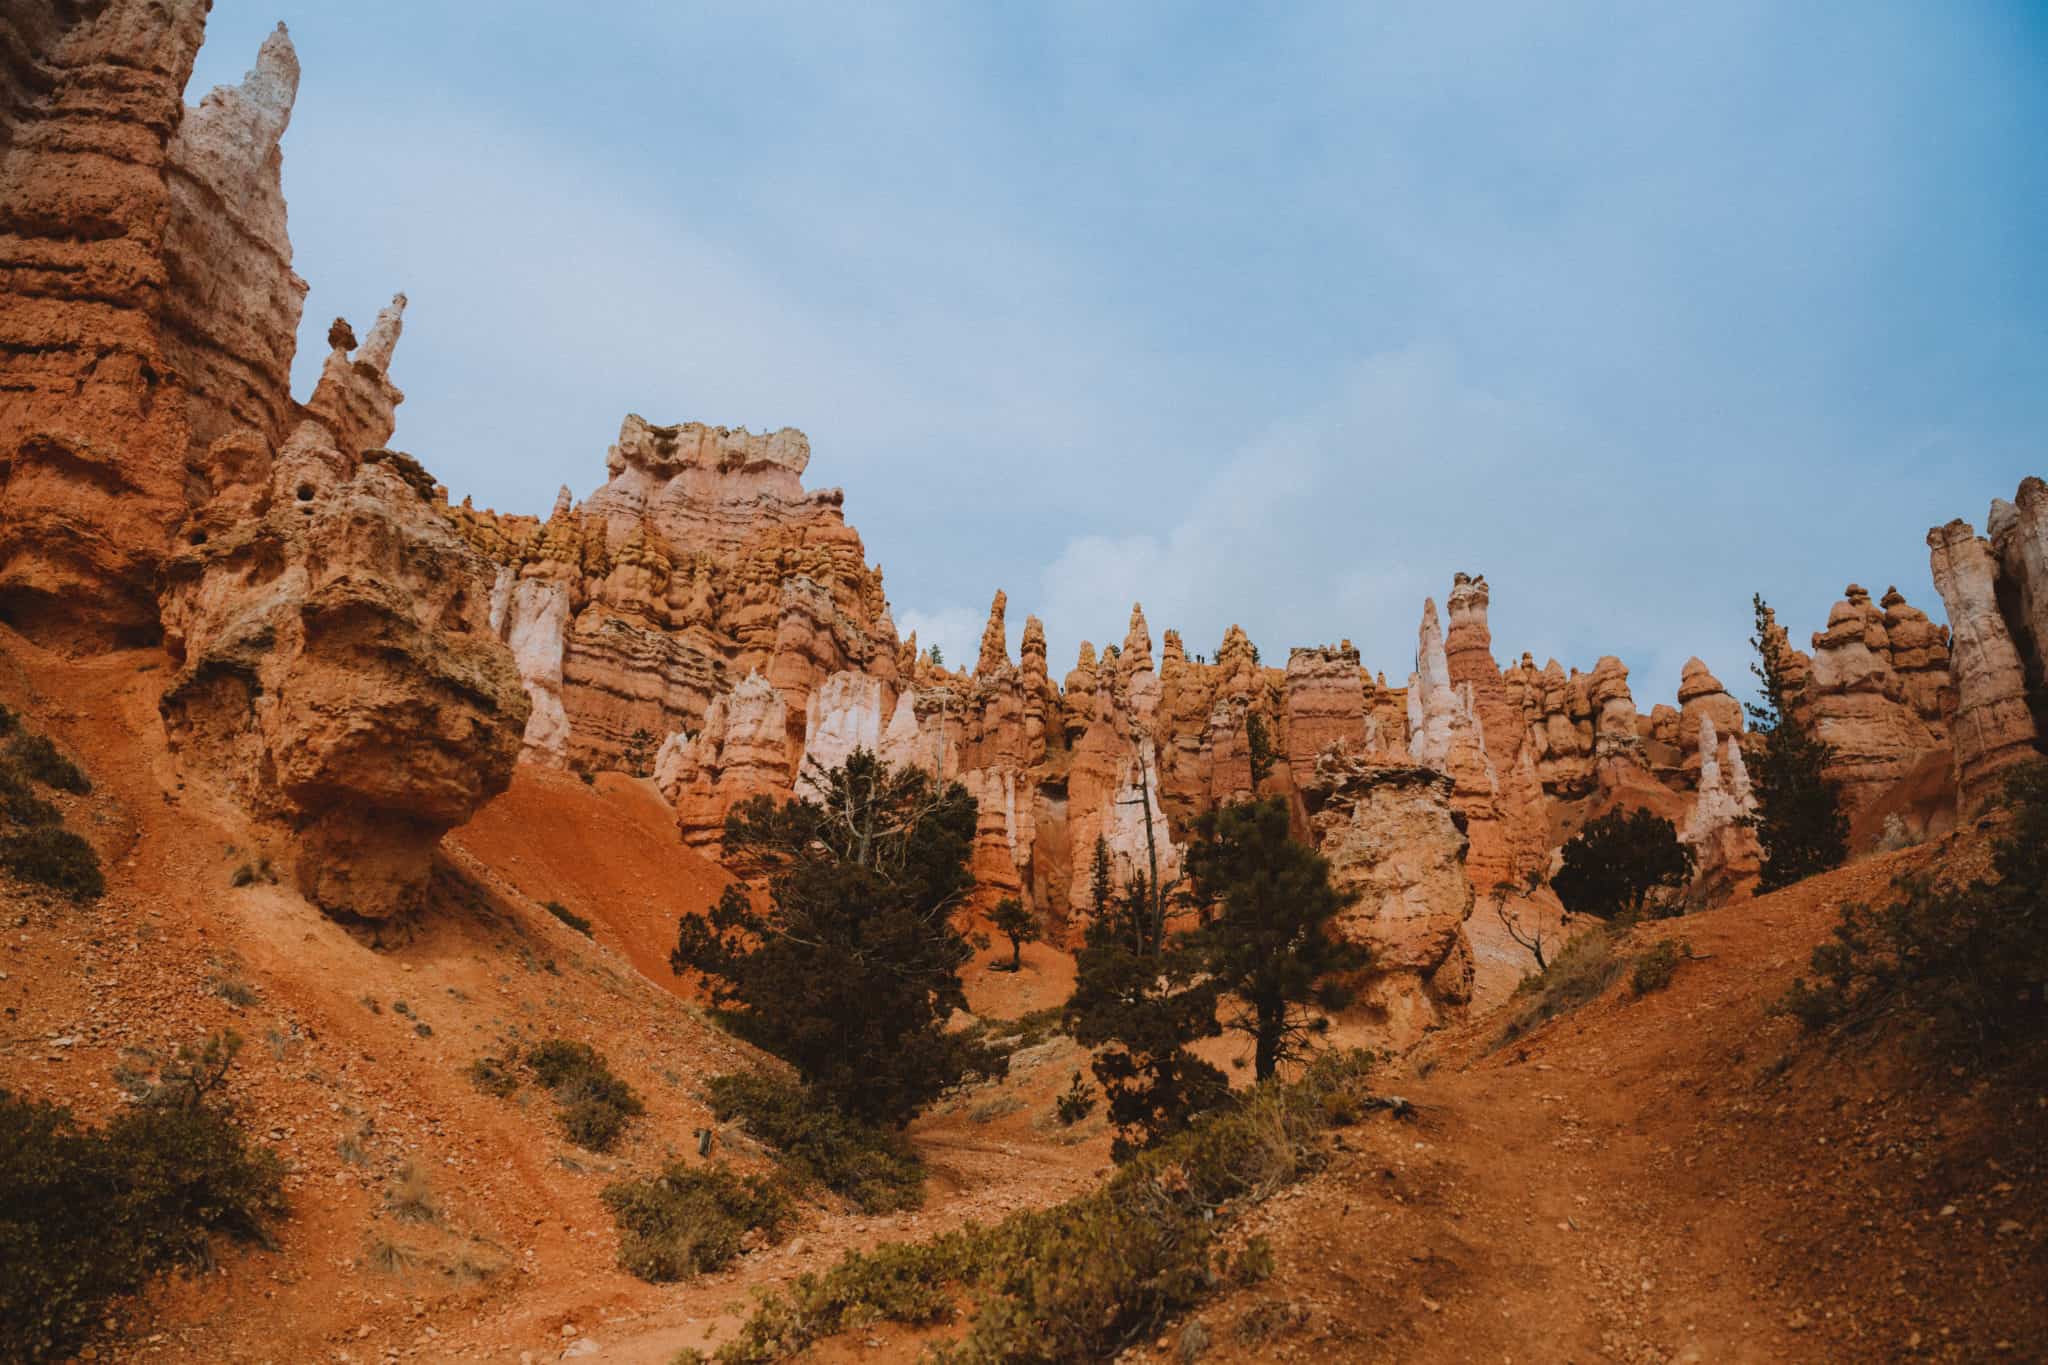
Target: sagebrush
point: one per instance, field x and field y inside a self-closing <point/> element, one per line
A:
<point x="87" y="1215"/>
<point x="1966" y="965"/>
<point x="686" y="1221"/>
<point x="871" y="1166"/>
<point x="1086" y="1279"/>
<point x="595" y="1105"/>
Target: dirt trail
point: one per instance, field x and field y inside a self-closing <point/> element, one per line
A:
<point x="1668" y="1178"/>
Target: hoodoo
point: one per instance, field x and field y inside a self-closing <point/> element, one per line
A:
<point x="435" y="806"/>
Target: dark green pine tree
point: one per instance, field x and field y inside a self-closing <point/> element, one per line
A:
<point x="1259" y="746"/>
<point x="853" y="968"/>
<point x="1267" y="939"/>
<point x="1141" y="995"/>
<point x="1614" y="863"/>
<point x="1799" y="820"/>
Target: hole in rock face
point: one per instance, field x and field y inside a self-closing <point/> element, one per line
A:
<point x="305" y="492"/>
<point x="198" y="537"/>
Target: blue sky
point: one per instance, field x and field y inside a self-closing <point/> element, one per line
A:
<point x="1268" y="314"/>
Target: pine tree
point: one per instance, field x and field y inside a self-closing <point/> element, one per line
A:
<point x="1268" y="939"/>
<point x="853" y="969"/>
<point x="1016" y="923"/>
<point x="1141" y="995"/>
<point x="1259" y="745"/>
<point x="1101" y="879"/>
<point x="1614" y="863"/>
<point x="1799" y="820"/>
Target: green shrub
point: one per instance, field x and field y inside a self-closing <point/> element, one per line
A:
<point x="568" y="917"/>
<point x="1077" y="1102"/>
<point x="872" y="1167"/>
<point x="493" y="1076"/>
<point x="18" y="804"/>
<point x="88" y="1215"/>
<point x="595" y="1105"/>
<point x="1010" y="1036"/>
<point x="1254" y="1263"/>
<point x="1655" y="968"/>
<point x="36" y="756"/>
<point x="56" y="858"/>
<point x="596" y="1122"/>
<point x="1967" y="965"/>
<point x="235" y="991"/>
<point x="1082" y="1280"/>
<point x="1577" y="976"/>
<point x="684" y="1221"/>
<point x="907" y="1282"/>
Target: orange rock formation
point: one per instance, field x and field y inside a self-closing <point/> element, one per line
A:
<point x="360" y="661"/>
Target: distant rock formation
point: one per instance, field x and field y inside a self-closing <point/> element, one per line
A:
<point x="701" y="559"/>
<point x="740" y="752"/>
<point x="361" y="661"/>
<point x="1325" y="701"/>
<point x="1728" y="858"/>
<point x="1995" y="608"/>
<point x="1879" y="704"/>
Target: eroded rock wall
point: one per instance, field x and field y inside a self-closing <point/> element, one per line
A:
<point x="1393" y="842"/>
<point x="701" y="559"/>
<point x="1997" y="614"/>
<point x="342" y="631"/>
<point x="336" y="668"/>
<point x="337" y="665"/>
<point x="94" y="431"/>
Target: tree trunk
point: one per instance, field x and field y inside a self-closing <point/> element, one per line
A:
<point x="1016" y="954"/>
<point x="1272" y="1022"/>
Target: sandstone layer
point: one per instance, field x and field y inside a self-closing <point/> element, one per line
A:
<point x="336" y="670"/>
<point x="1998" y="614"/>
<point x="1394" y="843"/>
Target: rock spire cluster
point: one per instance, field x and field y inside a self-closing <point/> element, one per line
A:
<point x="361" y="663"/>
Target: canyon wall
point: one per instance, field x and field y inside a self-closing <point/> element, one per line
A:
<point x="360" y="662"/>
<point x="335" y="671"/>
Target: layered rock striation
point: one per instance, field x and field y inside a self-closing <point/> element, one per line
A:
<point x="1877" y="693"/>
<point x="335" y="667"/>
<point x="1997" y="600"/>
<point x="1397" y="847"/>
<point x="700" y="560"/>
